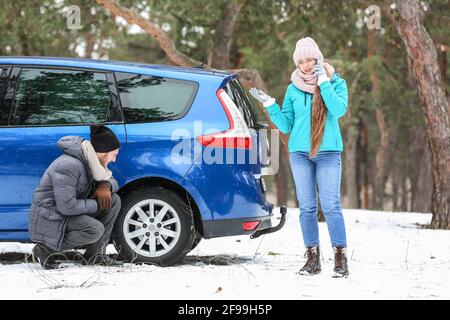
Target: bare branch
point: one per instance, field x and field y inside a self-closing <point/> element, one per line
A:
<point x="153" y="30"/>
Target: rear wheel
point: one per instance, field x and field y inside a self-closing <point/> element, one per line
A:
<point x="154" y="226"/>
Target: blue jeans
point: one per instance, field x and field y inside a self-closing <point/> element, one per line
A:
<point x="325" y="168"/>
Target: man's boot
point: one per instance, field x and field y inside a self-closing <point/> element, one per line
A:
<point x="45" y="256"/>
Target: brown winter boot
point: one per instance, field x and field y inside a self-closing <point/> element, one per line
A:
<point x="340" y="262"/>
<point x="312" y="265"/>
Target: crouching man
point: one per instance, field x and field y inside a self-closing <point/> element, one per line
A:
<point x="76" y="203"/>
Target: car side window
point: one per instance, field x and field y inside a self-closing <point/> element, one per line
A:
<point x="60" y="97"/>
<point x="4" y="74"/>
<point x="150" y="99"/>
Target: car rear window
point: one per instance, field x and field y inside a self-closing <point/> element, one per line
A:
<point x="150" y="98"/>
<point x="245" y="105"/>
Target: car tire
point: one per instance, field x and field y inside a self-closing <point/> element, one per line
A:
<point x="163" y="237"/>
<point x="198" y="237"/>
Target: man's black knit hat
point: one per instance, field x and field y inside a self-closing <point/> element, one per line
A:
<point x="103" y="139"/>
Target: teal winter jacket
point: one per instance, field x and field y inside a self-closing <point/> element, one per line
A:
<point x="295" y="116"/>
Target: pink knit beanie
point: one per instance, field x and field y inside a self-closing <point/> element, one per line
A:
<point x="306" y="48"/>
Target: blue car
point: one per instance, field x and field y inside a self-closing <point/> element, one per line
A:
<point x="178" y="128"/>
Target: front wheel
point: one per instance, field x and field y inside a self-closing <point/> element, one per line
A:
<point x="198" y="237"/>
<point x="154" y="226"/>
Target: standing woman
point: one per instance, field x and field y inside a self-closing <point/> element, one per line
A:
<point x="314" y="101"/>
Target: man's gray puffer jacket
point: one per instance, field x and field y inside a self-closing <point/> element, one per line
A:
<point x="63" y="191"/>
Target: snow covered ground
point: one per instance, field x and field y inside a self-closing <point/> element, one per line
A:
<point x="390" y="257"/>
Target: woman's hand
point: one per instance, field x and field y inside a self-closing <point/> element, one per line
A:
<point x="322" y="71"/>
<point x="260" y="95"/>
<point x="319" y="69"/>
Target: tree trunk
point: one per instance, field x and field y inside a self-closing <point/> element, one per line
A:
<point x="363" y="164"/>
<point x="443" y="62"/>
<point x="420" y="172"/>
<point x="404" y="194"/>
<point x="238" y="62"/>
<point x="350" y="168"/>
<point x="422" y="58"/>
<point x="350" y="157"/>
<point x="383" y="148"/>
<point x="395" y="187"/>
<point x="419" y="157"/>
<point x="423" y="202"/>
<point x="90" y="40"/>
<point x="223" y="36"/>
<point x="382" y="161"/>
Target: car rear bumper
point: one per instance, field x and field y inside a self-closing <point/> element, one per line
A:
<point x="233" y="227"/>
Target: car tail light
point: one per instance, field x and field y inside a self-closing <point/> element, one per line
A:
<point x="250" y="225"/>
<point x="237" y="136"/>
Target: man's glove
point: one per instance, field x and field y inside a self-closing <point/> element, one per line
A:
<point x="103" y="195"/>
<point x="262" y="97"/>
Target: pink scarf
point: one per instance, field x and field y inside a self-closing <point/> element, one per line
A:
<point x="308" y="82"/>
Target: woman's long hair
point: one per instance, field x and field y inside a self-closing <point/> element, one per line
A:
<point x="319" y="115"/>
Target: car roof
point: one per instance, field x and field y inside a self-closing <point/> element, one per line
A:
<point x="118" y="66"/>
